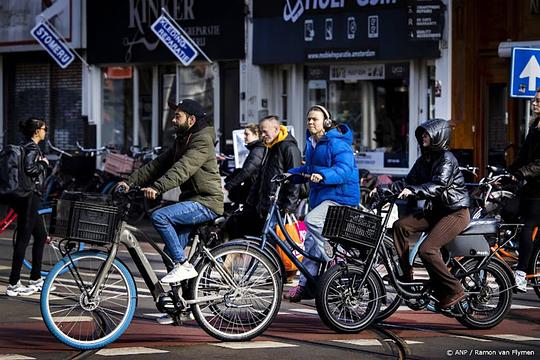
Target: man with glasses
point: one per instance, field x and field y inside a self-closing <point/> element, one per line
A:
<point x="527" y="167"/>
<point x="191" y="165"/>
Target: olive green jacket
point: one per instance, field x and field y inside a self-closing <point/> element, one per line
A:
<point x="193" y="167"/>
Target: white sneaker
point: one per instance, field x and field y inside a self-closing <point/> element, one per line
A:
<point x="521" y="281"/>
<point x="180" y="272"/>
<point x="168" y="320"/>
<point x="36" y="285"/>
<point x="19" y="290"/>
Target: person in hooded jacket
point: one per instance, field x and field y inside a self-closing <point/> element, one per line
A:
<point x="329" y="161"/>
<point x="191" y="165"/>
<point x="29" y="222"/>
<point x="436" y="177"/>
<point x="281" y="153"/>
<point x="527" y="167"/>
<point x="239" y="183"/>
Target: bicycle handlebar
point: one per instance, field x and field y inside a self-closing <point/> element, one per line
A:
<point x="89" y="150"/>
<point x="58" y="150"/>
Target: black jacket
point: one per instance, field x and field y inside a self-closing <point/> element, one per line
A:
<point x="36" y="170"/>
<point x="527" y="164"/>
<point x="435" y="176"/>
<point x="251" y="166"/>
<point x="278" y="159"/>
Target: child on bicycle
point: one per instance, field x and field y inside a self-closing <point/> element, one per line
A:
<point x="334" y="181"/>
<point x="435" y="177"/>
<point x="527" y="167"/>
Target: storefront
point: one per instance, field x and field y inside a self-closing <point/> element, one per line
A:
<point x="31" y="82"/>
<point x="373" y="64"/>
<point x="135" y="76"/>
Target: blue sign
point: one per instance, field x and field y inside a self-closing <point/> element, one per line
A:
<point x="525" y="74"/>
<point x="54" y="46"/>
<point x="175" y="41"/>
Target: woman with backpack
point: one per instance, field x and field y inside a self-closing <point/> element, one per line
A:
<point x="527" y="167"/>
<point x="29" y="222"/>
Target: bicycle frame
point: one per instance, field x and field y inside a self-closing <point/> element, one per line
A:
<point x="269" y="232"/>
<point x="126" y="237"/>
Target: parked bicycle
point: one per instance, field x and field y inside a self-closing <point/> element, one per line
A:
<point x="349" y="294"/>
<point x="235" y="296"/>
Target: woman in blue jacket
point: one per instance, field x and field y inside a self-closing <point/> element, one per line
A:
<point x="334" y="181"/>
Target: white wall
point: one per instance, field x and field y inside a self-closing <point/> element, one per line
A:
<point x="443" y="68"/>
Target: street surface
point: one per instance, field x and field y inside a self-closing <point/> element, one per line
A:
<point x="297" y="333"/>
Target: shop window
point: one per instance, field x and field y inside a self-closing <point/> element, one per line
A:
<point x="378" y="113"/>
<point x="194" y="82"/>
<point x="145" y="107"/>
<point x="117" y="107"/>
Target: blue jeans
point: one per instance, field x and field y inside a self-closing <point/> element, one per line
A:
<point x="314" y="242"/>
<point x="175" y="222"/>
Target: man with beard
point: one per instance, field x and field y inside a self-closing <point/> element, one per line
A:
<point x="191" y="165"/>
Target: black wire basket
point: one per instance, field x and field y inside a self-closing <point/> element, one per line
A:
<point x="352" y="227"/>
<point x="89" y="218"/>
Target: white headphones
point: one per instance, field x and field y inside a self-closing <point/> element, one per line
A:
<point x="328" y="122"/>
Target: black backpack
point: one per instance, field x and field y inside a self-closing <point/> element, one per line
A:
<point x="14" y="183"/>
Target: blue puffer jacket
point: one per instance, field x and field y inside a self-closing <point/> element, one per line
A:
<point x="333" y="158"/>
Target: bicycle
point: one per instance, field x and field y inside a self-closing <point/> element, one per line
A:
<point x="493" y="193"/>
<point x="234" y="297"/>
<point x="349" y="294"/>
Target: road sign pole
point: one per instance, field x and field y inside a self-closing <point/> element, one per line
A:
<point x="527" y="115"/>
<point x="185" y="34"/>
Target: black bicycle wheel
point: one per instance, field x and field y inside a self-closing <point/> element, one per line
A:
<point x="490" y="294"/>
<point x="342" y="305"/>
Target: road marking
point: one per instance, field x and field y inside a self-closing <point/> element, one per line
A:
<point x="15" y="357"/>
<point x="66" y="318"/>
<point x="471" y="338"/>
<point x="306" y="311"/>
<point x="514" y="337"/>
<point x="4" y="267"/>
<point x="253" y="345"/>
<point x="130" y="351"/>
<point x="360" y="342"/>
<point x="373" y="342"/>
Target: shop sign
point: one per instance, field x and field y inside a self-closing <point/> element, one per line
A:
<point x="288" y="31"/>
<point x="370" y="160"/>
<point x="53" y="44"/>
<point x="176" y="42"/>
<point x="120" y="31"/>
<point x="357" y="72"/>
<point x="425" y="19"/>
<point x="525" y="72"/>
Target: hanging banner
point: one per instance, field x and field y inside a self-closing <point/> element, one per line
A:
<point x="53" y="44"/>
<point x="176" y="42"/>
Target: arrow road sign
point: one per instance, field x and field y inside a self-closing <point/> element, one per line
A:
<point x="525" y="73"/>
<point x="175" y="41"/>
<point x="52" y="43"/>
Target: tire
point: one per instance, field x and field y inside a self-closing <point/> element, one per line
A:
<point x="236" y="315"/>
<point x="535" y="268"/>
<point x="391" y="300"/>
<point x="338" y="291"/>
<point x="87" y="326"/>
<point x="489" y="306"/>
<point x="52" y="252"/>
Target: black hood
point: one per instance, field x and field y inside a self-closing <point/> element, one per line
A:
<point x="440" y="132"/>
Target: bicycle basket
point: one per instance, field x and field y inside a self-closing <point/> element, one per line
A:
<point x="352" y="227"/>
<point x="89" y="220"/>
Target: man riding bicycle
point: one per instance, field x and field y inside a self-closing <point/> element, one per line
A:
<point x="191" y="165"/>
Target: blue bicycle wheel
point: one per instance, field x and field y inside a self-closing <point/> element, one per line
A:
<point x="51" y="252"/>
<point x="75" y="318"/>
